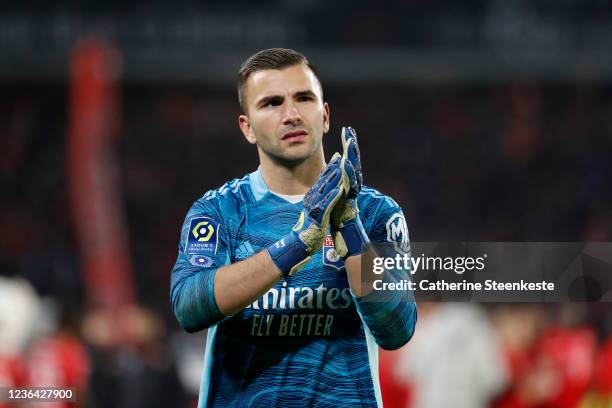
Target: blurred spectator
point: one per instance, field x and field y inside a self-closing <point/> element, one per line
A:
<point x="600" y="393"/>
<point x="60" y="360"/>
<point x="189" y="351"/>
<point x="139" y="373"/>
<point x="551" y="367"/>
<point x="454" y="359"/>
<point x="19" y="310"/>
<point x="396" y="391"/>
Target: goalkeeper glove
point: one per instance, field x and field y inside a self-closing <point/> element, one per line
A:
<point x="350" y="237"/>
<point x="293" y="251"/>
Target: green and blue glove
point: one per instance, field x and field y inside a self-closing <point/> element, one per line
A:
<point x="292" y="252"/>
<point x="349" y="235"/>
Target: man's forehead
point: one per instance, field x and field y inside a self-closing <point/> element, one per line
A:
<point x="295" y="78"/>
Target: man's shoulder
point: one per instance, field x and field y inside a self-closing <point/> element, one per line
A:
<point x="230" y="196"/>
<point x="219" y="206"/>
<point x="382" y="217"/>
<point x="372" y="202"/>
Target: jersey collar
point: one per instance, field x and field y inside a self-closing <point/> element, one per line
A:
<point x="258" y="185"/>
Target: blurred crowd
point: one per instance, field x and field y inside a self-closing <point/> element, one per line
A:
<point x="480" y="162"/>
<point x="517" y="28"/>
<point x="48" y="342"/>
<point x="501" y="356"/>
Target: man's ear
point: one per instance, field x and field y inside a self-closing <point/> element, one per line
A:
<point x="325" y="117"/>
<point x="247" y="131"/>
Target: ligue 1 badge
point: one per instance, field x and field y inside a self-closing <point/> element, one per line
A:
<point x="330" y="257"/>
<point x="202" y="236"/>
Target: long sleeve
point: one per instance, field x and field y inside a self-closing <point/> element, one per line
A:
<point x="202" y="251"/>
<point x="390" y="315"/>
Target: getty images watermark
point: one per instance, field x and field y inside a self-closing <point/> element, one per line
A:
<point x="494" y="271"/>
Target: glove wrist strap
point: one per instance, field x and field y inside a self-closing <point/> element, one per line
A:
<point x="288" y="252"/>
<point x="355" y="237"/>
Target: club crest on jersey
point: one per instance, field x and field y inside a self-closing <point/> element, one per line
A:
<point x="330" y="257"/>
<point x="202" y="236"/>
<point x="201" y="260"/>
<point x="397" y="233"/>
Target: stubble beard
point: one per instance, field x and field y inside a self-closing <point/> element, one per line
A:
<point x="286" y="159"/>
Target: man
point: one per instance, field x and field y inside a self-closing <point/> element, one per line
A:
<point x="289" y="323"/>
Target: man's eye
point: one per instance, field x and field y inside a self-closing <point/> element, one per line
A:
<point x="305" y="98"/>
<point x="273" y="102"/>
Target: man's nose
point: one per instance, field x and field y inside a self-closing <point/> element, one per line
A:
<point x="291" y="115"/>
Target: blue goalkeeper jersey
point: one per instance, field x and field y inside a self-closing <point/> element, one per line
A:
<point x="307" y="341"/>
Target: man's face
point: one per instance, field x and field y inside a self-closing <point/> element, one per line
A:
<point x="286" y="114"/>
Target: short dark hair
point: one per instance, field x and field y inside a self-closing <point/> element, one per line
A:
<point x="272" y="58"/>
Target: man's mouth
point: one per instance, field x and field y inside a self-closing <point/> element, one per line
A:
<point x="295" y="136"/>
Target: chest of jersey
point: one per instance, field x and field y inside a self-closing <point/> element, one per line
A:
<point x="315" y="302"/>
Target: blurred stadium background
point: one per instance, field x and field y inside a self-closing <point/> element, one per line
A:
<point x="485" y="120"/>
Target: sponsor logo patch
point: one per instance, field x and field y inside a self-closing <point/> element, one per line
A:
<point x="201" y="260"/>
<point x="244" y="250"/>
<point x="202" y="236"/>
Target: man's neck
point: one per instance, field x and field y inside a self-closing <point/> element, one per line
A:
<point x="293" y="180"/>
